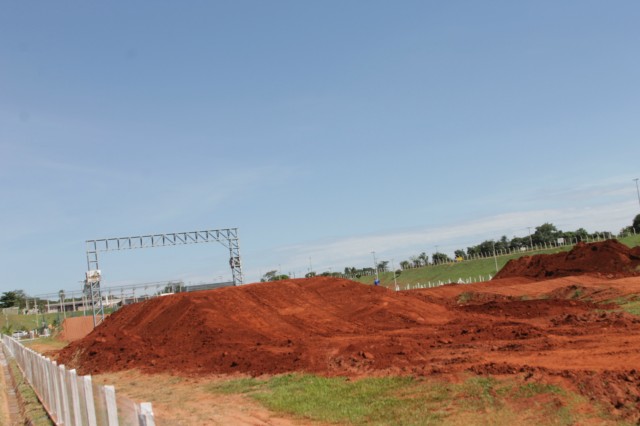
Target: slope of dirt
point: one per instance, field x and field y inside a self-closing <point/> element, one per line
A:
<point x="545" y="330"/>
<point x="608" y="258"/>
<point x="76" y="328"/>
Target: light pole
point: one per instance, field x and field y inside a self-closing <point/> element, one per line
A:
<point x="393" y="267"/>
<point x="61" y="293"/>
<point x="530" y="240"/>
<point x="495" y="258"/>
<point x="375" y="264"/>
<point x="637" y="190"/>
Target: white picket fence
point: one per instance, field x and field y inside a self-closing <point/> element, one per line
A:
<point x="430" y="284"/>
<point x="75" y="400"/>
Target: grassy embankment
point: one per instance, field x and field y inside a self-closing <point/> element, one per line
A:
<point x="33" y="411"/>
<point x="413" y="401"/>
<point x="476" y="269"/>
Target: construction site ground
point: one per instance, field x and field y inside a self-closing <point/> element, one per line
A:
<point x="557" y="321"/>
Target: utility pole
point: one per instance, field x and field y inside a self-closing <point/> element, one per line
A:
<point x="495" y="258"/>
<point x="637" y="190"/>
<point x="395" y="283"/>
<point x="375" y="264"/>
<point x="530" y="240"/>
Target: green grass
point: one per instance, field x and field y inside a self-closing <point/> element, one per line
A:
<point x="51" y="342"/>
<point x="27" y="322"/>
<point x="469" y="269"/>
<point x="632" y="307"/>
<point x="410" y="401"/>
<point x="530" y="389"/>
<point x="33" y="410"/>
<point x="629" y="304"/>
<point x="10" y="323"/>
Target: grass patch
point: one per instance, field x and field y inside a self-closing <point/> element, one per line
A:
<point x="33" y="410"/>
<point x="410" y="401"/>
<point x="42" y="344"/>
<point x="527" y="390"/>
<point x="632" y="307"/>
<point x="237" y="386"/>
<point x="629" y="304"/>
<point x="465" y="297"/>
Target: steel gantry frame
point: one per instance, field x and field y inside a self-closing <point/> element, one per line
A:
<point x="227" y="237"/>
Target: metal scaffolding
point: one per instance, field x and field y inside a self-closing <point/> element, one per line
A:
<point x="226" y="237"/>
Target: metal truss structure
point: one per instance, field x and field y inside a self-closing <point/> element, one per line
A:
<point x="226" y="237"/>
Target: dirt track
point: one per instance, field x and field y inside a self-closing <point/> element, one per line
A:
<point x="548" y="330"/>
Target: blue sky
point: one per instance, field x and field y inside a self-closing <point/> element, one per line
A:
<point x="322" y="130"/>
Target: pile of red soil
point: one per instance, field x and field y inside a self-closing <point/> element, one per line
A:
<point x="333" y="326"/>
<point x="292" y="325"/>
<point x="608" y="258"/>
<point x="76" y="328"/>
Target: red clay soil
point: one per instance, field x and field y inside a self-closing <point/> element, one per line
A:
<point x="76" y="328"/>
<point x="610" y="258"/>
<point x="549" y="331"/>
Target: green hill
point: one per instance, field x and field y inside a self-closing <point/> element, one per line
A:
<point x="468" y="270"/>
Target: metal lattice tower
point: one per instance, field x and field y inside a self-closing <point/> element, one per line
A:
<point x="226" y="237"/>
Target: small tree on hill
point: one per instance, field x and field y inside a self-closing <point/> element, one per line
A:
<point x="440" y="258"/>
<point x="546" y="233"/>
<point x="273" y="276"/>
<point x="636" y="224"/>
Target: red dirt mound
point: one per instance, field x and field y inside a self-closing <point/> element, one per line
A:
<point x="259" y="328"/>
<point x="76" y="328"/>
<point x="338" y="327"/>
<point x="608" y="258"/>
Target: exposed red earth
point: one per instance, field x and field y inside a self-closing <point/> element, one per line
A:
<point x="609" y="258"/>
<point x="76" y="328"/>
<point x="553" y="330"/>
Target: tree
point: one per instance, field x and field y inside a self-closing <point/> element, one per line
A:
<point x="383" y="266"/>
<point x="459" y="253"/>
<point x="636" y="224"/>
<point x="516" y="243"/>
<point x="440" y="258"/>
<point x="581" y="234"/>
<point x="424" y="258"/>
<point x="405" y="264"/>
<point x="273" y="276"/>
<point x="545" y="233"/>
<point x="503" y="244"/>
<point x="13" y="298"/>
